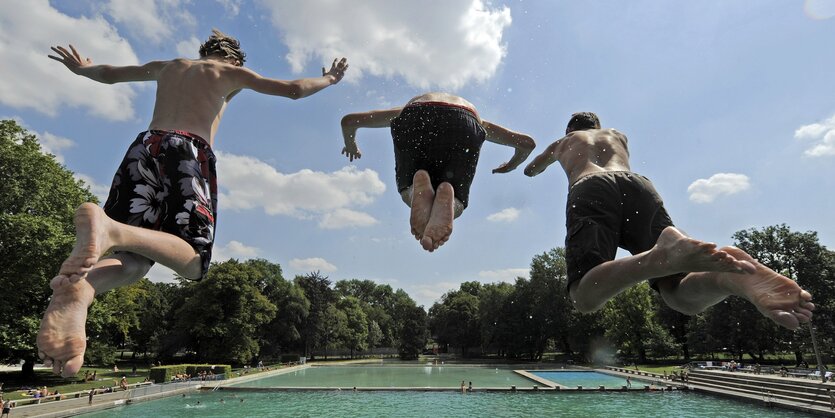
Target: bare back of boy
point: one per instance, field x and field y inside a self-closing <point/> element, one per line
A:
<point x="714" y="273"/>
<point x="191" y="97"/>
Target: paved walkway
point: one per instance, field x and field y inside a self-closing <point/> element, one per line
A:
<point x="77" y="406"/>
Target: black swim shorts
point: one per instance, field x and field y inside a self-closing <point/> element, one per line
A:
<point x="443" y="139"/>
<point x="608" y="210"/>
<point x="167" y="182"/>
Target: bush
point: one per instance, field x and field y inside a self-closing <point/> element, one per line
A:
<point x="100" y="353"/>
<point x="289" y="358"/>
<point x="162" y="374"/>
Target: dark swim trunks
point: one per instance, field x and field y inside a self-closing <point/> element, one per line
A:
<point x="608" y="210"/>
<point x="443" y="139"/>
<point x="167" y="182"/>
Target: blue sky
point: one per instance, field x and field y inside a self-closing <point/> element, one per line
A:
<point x="729" y="108"/>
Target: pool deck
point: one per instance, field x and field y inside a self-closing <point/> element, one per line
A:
<point x="103" y="401"/>
<point x="773" y="402"/>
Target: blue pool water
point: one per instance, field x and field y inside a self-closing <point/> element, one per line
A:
<point x="445" y="404"/>
<point x="586" y="379"/>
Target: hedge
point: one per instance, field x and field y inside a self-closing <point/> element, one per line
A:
<point x="162" y="374"/>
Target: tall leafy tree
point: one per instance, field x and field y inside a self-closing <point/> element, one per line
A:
<point x="38" y="197"/>
<point x="224" y="312"/>
<point x="801" y="257"/>
<point x="317" y="290"/>
<point x="412" y="332"/>
<point x="631" y="323"/>
<point x="284" y="332"/>
<point x="355" y="336"/>
<point x="455" y="320"/>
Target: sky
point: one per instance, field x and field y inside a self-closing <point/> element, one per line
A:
<point x="729" y="108"/>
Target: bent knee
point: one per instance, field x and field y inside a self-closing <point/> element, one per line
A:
<point x="580" y="301"/>
<point x="193" y="270"/>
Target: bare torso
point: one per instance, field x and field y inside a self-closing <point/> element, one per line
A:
<point x="592" y="151"/>
<point x="444" y="98"/>
<point x="192" y="96"/>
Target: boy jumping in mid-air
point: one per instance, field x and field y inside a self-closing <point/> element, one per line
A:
<point x="609" y="206"/>
<point x="163" y="200"/>
<point x="437" y="140"/>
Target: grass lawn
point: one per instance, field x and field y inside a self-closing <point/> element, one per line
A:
<point x="13" y="382"/>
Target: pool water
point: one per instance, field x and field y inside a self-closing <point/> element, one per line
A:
<point x="586" y="379"/>
<point x="445" y="404"/>
<point x="394" y="376"/>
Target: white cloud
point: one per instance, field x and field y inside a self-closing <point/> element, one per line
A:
<point x="151" y="20"/>
<point x="819" y="9"/>
<point x="160" y="273"/>
<point x="429" y="293"/>
<point x="31" y="80"/>
<point x="505" y="275"/>
<point x="54" y="144"/>
<point x="429" y="43"/>
<point x="707" y="190"/>
<point x="233" y="7"/>
<point x="312" y="264"/>
<point x="346" y="218"/>
<point x="234" y="249"/>
<point x="247" y="183"/>
<point x="823" y="137"/>
<point x="505" y="215"/>
<point x="100" y="190"/>
<point x="189" y="48"/>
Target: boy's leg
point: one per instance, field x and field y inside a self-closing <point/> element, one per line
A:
<point x="673" y="253"/>
<point x="776" y="297"/>
<point x="445" y="208"/>
<point x="96" y="234"/>
<point x="61" y="340"/>
<point x="421" y="197"/>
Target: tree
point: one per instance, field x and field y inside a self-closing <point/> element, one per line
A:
<point x="799" y="256"/>
<point x="455" y="320"/>
<point x="375" y="335"/>
<point x="224" y="312"/>
<point x="491" y="303"/>
<point x="284" y="332"/>
<point x="411" y="335"/>
<point x="631" y="323"/>
<point x="317" y="290"/>
<point x="38" y="198"/>
<point x="355" y="335"/>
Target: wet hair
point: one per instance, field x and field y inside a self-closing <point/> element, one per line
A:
<point x="582" y="121"/>
<point x="223" y="44"/>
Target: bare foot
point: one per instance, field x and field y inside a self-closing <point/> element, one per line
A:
<point x="91" y="241"/>
<point x="776" y="296"/>
<point x="439" y="229"/>
<point x="675" y="252"/>
<point x="62" y="339"/>
<point x="422" y="198"/>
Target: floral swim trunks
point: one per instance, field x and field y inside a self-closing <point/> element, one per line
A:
<point x="167" y="182"/>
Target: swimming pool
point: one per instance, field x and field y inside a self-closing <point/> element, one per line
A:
<point x="394" y="376"/>
<point x="586" y="379"/>
<point x="445" y="404"/>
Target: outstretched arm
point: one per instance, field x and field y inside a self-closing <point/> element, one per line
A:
<point x="353" y="121"/>
<point x="295" y="89"/>
<point x="542" y="161"/>
<point x="108" y="74"/>
<point x="523" y="144"/>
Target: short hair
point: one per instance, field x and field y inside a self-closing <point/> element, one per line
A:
<point x="582" y="121"/>
<point x="221" y="43"/>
